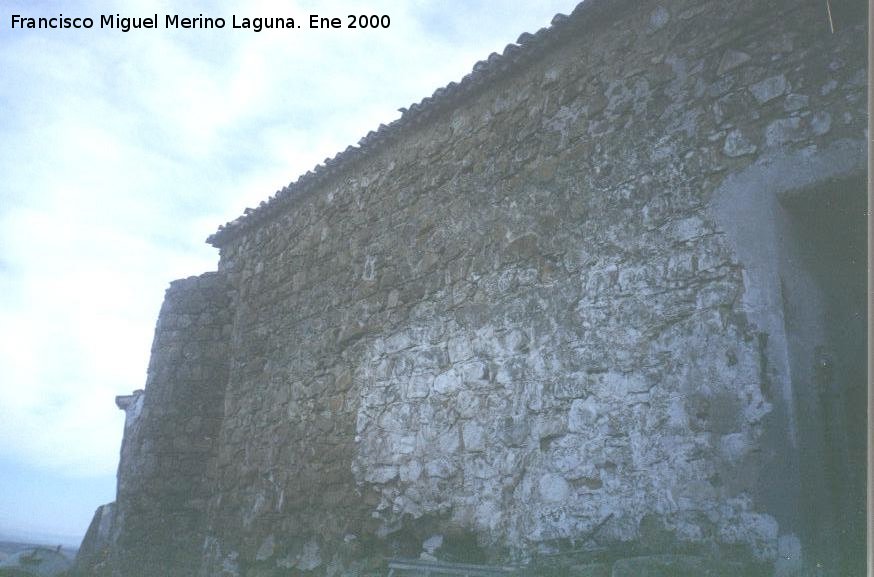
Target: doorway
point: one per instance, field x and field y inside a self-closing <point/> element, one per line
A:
<point x="824" y="285"/>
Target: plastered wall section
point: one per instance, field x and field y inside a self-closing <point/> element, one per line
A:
<point x="171" y="431"/>
<point x="524" y="318"/>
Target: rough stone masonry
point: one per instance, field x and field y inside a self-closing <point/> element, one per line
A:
<point x="597" y="309"/>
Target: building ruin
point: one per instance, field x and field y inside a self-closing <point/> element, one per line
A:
<point x="602" y="301"/>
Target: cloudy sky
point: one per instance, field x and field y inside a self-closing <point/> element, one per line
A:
<point x="121" y="152"/>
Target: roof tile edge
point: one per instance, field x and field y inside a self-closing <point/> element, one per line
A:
<point x="526" y="47"/>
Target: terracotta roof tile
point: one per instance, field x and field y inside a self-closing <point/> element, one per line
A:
<point x="527" y="46"/>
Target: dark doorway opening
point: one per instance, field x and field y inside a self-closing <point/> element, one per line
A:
<point x="826" y="318"/>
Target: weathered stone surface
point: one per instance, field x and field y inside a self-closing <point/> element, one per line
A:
<point x="730" y="60"/>
<point x="820" y="122"/>
<point x="769" y="88"/>
<point x="783" y="131"/>
<point x="790" y="561"/>
<point x="659" y="17"/>
<point x="525" y="316"/>
<point x="166" y="467"/>
<point x="737" y="144"/>
<point x="93" y="555"/>
<point x="674" y="566"/>
<point x="590" y="570"/>
<point x="795" y="102"/>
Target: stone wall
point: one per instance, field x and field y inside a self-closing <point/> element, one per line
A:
<point x="542" y="311"/>
<point x="166" y="465"/>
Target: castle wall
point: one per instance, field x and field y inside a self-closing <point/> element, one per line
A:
<point x="165" y="470"/>
<point x="543" y="317"/>
<point x="524" y="317"/>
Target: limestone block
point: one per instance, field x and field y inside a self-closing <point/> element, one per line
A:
<point x="474" y="436"/>
<point x="769" y="88"/>
<point x="446" y="383"/>
<point x="820" y="122"/>
<point x="583" y="414"/>
<point x="783" y="130"/>
<point x="730" y="60"/>
<point x="738" y="144"/>
<point x="553" y="488"/>
<point x="795" y="101"/>
<point x="658" y="18"/>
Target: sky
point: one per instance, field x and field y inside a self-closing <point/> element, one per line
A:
<point x="121" y="152"/>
